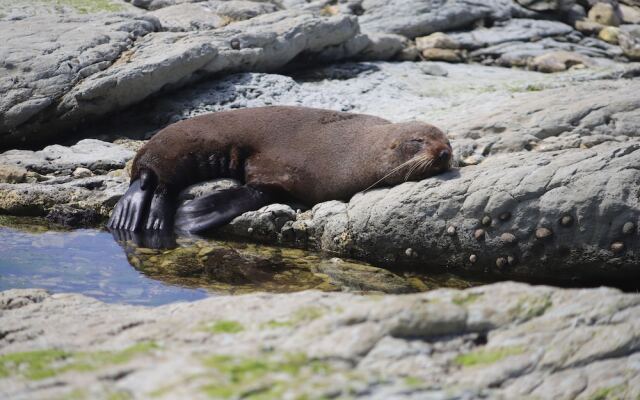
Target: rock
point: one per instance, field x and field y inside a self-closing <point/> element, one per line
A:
<point x="605" y="14"/>
<point x="413" y="18"/>
<point x="46" y="55"/>
<point x="589" y="27"/>
<point x="362" y="277"/>
<point x="509" y="31"/>
<point x="629" y="38"/>
<point x="437" y="40"/>
<point x="204" y="188"/>
<point x="609" y="34"/>
<point x="629" y="15"/>
<point x="453" y="56"/>
<point x="209" y="14"/>
<point x="379" y="47"/>
<point x="12" y="173"/>
<point x="73" y="217"/>
<point x="91" y="154"/>
<point x="575" y="14"/>
<point x="558" y="61"/>
<point x="81" y="172"/>
<point x="174" y="57"/>
<point x="547" y="5"/>
<point x="472" y="340"/>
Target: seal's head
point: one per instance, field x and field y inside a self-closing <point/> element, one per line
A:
<point x="416" y="151"/>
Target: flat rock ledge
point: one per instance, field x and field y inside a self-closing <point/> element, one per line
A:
<point x="504" y="340"/>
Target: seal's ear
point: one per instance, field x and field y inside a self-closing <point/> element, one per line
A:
<point x="218" y="208"/>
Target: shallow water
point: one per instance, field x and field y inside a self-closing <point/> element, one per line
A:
<point x="34" y="254"/>
<point x="86" y="261"/>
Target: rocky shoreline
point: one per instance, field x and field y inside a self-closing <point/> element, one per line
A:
<point x="541" y="100"/>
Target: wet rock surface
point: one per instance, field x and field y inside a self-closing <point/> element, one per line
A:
<point x="443" y="344"/>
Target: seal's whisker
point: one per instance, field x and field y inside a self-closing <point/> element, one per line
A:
<point x="393" y="171"/>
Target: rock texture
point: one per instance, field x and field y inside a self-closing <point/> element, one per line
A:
<point x="447" y="344"/>
<point x="63" y="69"/>
<point x="38" y="69"/>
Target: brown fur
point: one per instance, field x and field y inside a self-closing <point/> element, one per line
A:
<point x="312" y="154"/>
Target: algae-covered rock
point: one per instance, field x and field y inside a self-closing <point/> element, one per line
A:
<point x="491" y="341"/>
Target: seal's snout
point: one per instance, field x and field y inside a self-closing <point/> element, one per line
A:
<point x="443" y="159"/>
<point x="444" y="156"/>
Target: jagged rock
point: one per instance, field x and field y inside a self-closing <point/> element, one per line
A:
<point x="629" y="38"/>
<point x="497" y="341"/>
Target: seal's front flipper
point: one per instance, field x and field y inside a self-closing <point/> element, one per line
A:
<point x="130" y="211"/>
<point x="161" y="211"/>
<point x="216" y="209"/>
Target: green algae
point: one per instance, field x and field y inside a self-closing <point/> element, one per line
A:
<point x="486" y="356"/>
<point x="225" y="326"/>
<point x="90" y="6"/>
<point x="532" y="307"/>
<point x="42" y="364"/>
<point x="609" y="393"/>
<point x="259" y="378"/>
<point x="466" y="299"/>
<point x="301" y="315"/>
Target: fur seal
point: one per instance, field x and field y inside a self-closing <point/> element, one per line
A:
<point x="278" y="152"/>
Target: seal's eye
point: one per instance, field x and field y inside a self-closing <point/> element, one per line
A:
<point x="411" y="147"/>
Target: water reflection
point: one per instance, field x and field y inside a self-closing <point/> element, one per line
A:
<point x="90" y="261"/>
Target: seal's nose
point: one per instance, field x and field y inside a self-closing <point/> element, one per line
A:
<point x="444" y="156"/>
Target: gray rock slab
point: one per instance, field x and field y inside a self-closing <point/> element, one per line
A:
<point x="520" y="29"/>
<point x="421" y="17"/>
<point x="88" y="153"/>
<point x="93" y="84"/>
<point x="44" y="57"/>
<point x="209" y="14"/>
<point x="498" y="341"/>
<point x="173" y="59"/>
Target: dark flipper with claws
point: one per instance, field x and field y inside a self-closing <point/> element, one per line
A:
<point x="145" y="205"/>
<point x="131" y="209"/>
<point x="219" y="208"/>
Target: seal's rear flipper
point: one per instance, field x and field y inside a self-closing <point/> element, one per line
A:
<point x="131" y="209"/>
<point x="216" y="209"/>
